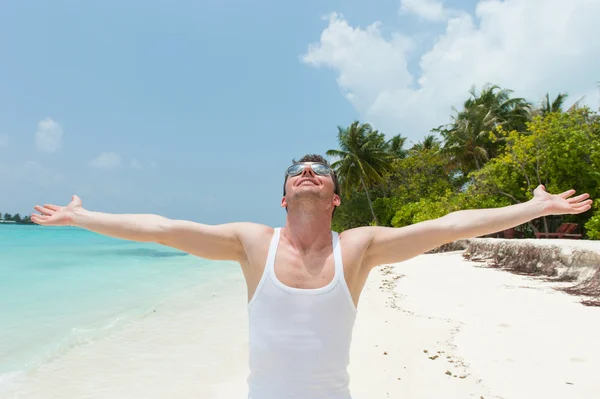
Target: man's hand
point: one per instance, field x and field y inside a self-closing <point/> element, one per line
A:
<point x="54" y="215"/>
<point x="560" y="204"/>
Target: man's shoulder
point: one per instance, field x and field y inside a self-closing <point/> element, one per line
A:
<point x="255" y="239"/>
<point x="251" y="230"/>
<point x="358" y="236"/>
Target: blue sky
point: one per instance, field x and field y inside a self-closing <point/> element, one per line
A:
<point x="193" y="109"/>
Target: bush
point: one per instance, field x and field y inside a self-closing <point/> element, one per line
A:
<point x="427" y="209"/>
<point x="353" y="212"/>
<point x="593" y="226"/>
<point x="385" y="208"/>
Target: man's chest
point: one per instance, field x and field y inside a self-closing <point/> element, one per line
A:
<point x="312" y="270"/>
<point x="305" y="271"/>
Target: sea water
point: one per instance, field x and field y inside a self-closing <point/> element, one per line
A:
<point x="62" y="287"/>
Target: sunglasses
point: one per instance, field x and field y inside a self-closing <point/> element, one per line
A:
<point x="319" y="168"/>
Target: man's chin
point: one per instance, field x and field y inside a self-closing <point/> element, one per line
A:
<point x="307" y="197"/>
<point x="307" y="193"/>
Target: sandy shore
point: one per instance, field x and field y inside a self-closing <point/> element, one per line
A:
<point x="439" y="326"/>
<point x="434" y="327"/>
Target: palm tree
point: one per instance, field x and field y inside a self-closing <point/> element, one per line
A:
<point x="430" y="142"/>
<point x="511" y="113"/>
<point x="546" y="107"/>
<point x="363" y="157"/>
<point x="395" y="146"/>
<point x="467" y="137"/>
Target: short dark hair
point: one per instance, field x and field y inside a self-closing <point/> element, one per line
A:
<point x="317" y="158"/>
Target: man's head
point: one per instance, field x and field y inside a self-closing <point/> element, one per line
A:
<point x="307" y="183"/>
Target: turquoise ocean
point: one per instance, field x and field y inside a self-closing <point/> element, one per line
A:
<point x="63" y="286"/>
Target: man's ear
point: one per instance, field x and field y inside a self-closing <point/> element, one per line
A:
<point x="337" y="201"/>
<point x="283" y="203"/>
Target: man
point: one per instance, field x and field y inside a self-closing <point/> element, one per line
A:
<point x="304" y="281"/>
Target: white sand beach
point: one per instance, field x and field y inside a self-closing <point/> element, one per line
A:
<point x="436" y="326"/>
<point x="454" y="329"/>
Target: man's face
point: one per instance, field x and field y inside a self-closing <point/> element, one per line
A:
<point x="310" y="186"/>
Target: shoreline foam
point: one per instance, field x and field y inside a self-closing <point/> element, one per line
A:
<point x="186" y="342"/>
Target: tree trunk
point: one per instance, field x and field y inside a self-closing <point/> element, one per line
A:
<point x="545" y="224"/>
<point x="369" y="200"/>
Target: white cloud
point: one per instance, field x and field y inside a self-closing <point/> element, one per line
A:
<point x="430" y="10"/>
<point x="4" y="140"/>
<point x="358" y="54"/>
<point x="529" y="46"/>
<point x="106" y="161"/>
<point x="48" y="137"/>
<point x="135" y="164"/>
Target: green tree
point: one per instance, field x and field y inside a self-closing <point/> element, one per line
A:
<point x="593" y="226"/>
<point x="547" y="107"/>
<point x="354" y="212"/>
<point x="445" y="203"/>
<point x="510" y="113"/>
<point x="7" y="216"/>
<point x="468" y="137"/>
<point x="363" y="158"/>
<point x="560" y="150"/>
<point x="395" y="146"/>
<point x="430" y="142"/>
<point x="16" y="218"/>
<point x="423" y="174"/>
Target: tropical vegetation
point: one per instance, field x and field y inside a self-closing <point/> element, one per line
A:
<point x="494" y="152"/>
<point x="16" y="218"/>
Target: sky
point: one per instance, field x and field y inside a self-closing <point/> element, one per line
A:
<point x="194" y="109"/>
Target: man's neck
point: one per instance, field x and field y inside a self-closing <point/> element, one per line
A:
<point x="308" y="230"/>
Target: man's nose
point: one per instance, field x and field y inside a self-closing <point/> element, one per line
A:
<point x="307" y="171"/>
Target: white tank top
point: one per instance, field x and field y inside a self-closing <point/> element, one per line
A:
<point x="299" y="338"/>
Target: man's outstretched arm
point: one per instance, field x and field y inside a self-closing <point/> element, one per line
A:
<point x="390" y="245"/>
<point x="217" y="242"/>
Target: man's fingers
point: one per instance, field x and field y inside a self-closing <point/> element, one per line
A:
<point x="582" y="208"/>
<point x="40" y="209"/>
<point x="584" y="203"/>
<point x="567" y="193"/>
<point x="578" y="198"/>
<point x="40" y="219"/>
<point x="43" y="210"/>
<point x="52" y="207"/>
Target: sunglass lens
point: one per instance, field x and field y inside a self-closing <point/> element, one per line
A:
<point x="295" y="170"/>
<point x="320" y="169"/>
